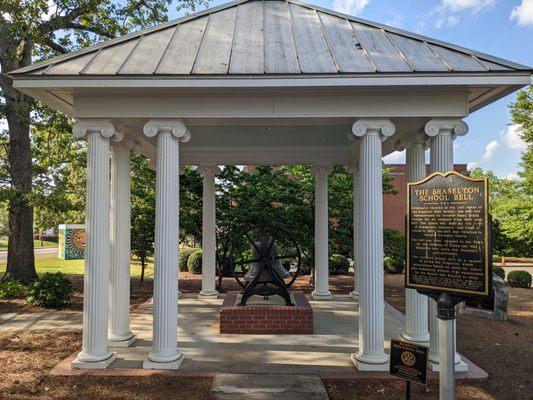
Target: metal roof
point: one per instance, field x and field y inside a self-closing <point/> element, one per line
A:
<point x="254" y="37"/>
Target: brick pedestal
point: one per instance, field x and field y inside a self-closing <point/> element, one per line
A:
<point x="266" y="319"/>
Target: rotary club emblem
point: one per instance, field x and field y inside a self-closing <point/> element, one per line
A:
<point x="408" y="358"/>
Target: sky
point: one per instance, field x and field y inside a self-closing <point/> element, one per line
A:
<point x="503" y="28"/>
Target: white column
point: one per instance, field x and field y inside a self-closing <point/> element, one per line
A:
<point x="371" y="355"/>
<point x="95" y="353"/>
<point x="416" y="305"/>
<point x="442" y="133"/>
<point x="165" y="354"/>
<point x="209" y="245"/>
<point x="119" y="334"/>
<point x="321" y="291"/>
<point x="355" y="196"/>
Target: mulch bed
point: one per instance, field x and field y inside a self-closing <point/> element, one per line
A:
<point x="503" y="349"/>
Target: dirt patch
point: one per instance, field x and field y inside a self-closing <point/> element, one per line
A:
<point x="26" y="360"/>
<point x="503" y="349"/>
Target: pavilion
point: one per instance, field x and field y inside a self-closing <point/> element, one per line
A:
<point x="257" y="83"/>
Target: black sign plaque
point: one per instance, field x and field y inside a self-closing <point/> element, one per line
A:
<point x="448" y="235"/>
<point x="408" y="361"/>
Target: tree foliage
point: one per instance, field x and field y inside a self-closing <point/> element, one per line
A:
<point x="522" y="114"/>
<point x="35" y="30"/>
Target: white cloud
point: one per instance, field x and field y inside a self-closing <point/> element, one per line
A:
<point x="398" y="157"/>
<point x="523" y="14"/>
<point x="512" y="177"/>
<point x="351" y="7"/>
<point x="490" y="149"/>
<point x="446" y="13"/>
<point x="464" y="5"/>
<point x="471" y="165"/>
<point x="512" y="137"/>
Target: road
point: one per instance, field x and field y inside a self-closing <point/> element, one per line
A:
<point x="40" y="252"/>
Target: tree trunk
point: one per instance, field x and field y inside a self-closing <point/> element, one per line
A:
<point x="20" y="257"/>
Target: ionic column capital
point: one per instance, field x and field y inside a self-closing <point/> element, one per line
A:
<point x="102" y="126"/>
<point x="321" y="168"/>
<point x="204" y="169"/>
<point x="384" y="128"/>
<point x="174" y="127"/>
<point x="455" y="127"/>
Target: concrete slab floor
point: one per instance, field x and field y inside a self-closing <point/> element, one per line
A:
<point x="204" y="349"/>
<point x="326" y="353"/>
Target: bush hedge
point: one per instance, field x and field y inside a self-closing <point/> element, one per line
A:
<point x="393" y="265"/>
<point x="519" y="278"/>
<point x="338" y="264"/>
<point x="499" y="271"/>
<point x="393" y="244"/>
<point x="194" y="263"/>
<point x="50" y="291"/>
<point x="10" y="289"/>
<point x="184" y="257"/>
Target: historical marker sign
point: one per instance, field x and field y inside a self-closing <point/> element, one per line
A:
<point x="448" y="235"/>
<point x="408" y="361"/>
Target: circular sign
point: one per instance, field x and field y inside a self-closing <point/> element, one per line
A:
<point x="408" y="358"/>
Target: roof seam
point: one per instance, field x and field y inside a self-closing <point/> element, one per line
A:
<point x="402" y="56"/>
<point x="439" y="58"/>
<point x="166" y="48"/>
<point x="82" y="71"/>
<point x="361" y="48"/>
<point x="207" y="24"/>
<point x="480" y="63"/>
<point x="326" y="41"/>
<point x="233" y="39"/>
<point x="291" y="16"/>
<point x="129" y="55"/>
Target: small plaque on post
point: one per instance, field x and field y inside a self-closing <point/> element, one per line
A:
<point x="408" y="361"/>
<point x="448" y="236"/>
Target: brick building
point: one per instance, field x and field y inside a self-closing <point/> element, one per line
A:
<point x="394" y="206"/>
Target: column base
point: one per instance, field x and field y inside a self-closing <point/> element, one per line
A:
<point x="122" y="343"/>
<point x="354" y="295"/>
<point x="423" y="339"/>
<point x="361" y="365"/>
<point x="149" y="364"/>
<point x="208" y="294"/>
<point x="102" y="364"/>
<point x="321" y="295"/>
<point x="460" y="366"/>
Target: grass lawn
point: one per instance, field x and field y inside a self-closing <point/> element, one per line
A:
<point x="75" y="267"/>
<point x="36" y="244"/>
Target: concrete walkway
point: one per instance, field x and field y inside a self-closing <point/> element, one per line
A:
<point x="271" y="387"/>
<point x="42" y="321"/>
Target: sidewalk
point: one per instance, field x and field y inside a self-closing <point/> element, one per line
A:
<point x="54" y="320"/>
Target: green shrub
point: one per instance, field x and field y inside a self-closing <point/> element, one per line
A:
<point x="393" y="265"/>
<point x="393" y="244"/>
<point x="519" y="279"/>
<point x="499" y="271"/>
<point x="184" y="257"/>
<point x="194" y="263"/>
<point x="338" y="264"/>
<point x="10" y="289"/>
<point x="50" y="291"/>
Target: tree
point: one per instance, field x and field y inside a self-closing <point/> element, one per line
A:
<point x="142" y="209"/>
<point x="38" y="29"/>
<point x="522" y="115"/>
<point x="511" y="208"/>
